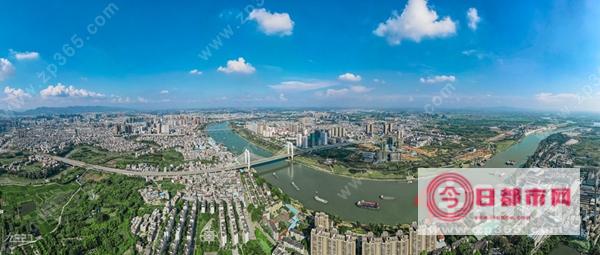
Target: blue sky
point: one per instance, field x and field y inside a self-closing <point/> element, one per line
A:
<point x="415" y="53"/>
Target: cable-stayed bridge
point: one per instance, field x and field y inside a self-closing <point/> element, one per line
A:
<point x="246" y="160"/>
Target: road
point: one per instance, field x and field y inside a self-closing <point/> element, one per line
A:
<point x="81" y="164"/>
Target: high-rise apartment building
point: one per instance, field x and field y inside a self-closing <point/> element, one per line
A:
<point x="322" y="220"/>
<point x="325" y="240"/>
<point x="387" y="128"/>
<point x="398" y="244"/>
<point x="369" y="128"/>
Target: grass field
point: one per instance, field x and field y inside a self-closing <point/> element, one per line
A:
<point x="201" y="247"/>
<point x="169" y="157"/>
<point x="263" y="242"/>
<point x="586" y="151"/>
<point x="97" y="218"/>
<point x="171" y="187"/>
<point x="34" y="208"/>
<point x="92" y="155"/>
<point x="504" y="144"/>
<point x="9" y="179"/>
<point x="99" y="156"/>
<point x="392" y="172"/>
<point x="9" y="157"/>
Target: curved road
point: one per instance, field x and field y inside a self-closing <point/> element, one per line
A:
<point x="147" y="173"/>
<point x="191" y="172"/>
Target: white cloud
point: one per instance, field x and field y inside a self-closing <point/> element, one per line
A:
<point x="164" y="91"/>
<point x="376" y="80"/>
<point x="567" y="102"/>
<point x="195" y="72"/>
<point x="120" y="100"/>
<point x="282" y="97"/>
<point x="60" y="90"/>
<point x="471" y="52"/>
<point x="15" y="97"/>
<point x="6" y="68"/>
<point x="360" y="89"/>
<point x="349" y="77"/>
<point x="26" y="55"/>
<point x="438" y="79"/>
<point x="336" y="92"/>
<point x="300" y="85"/>
<point x="478" y="54"/>
<point x="559" y="98"/>
<point x="127" y="100"/>
<point x="237" y="66"/>
<point x="474" y="18"/>
<point x="18" y="93"/>
<point x="272" y="23"/>
<point x="481" y="55"/>
<point x="416" y="22"/>
<point x="355" y="89"/>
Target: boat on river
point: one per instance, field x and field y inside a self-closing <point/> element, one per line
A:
<point x="367" y="204"/>
<point x="382" y="197"/>
<point x="295" y="186"/>
<point x="320" y="199"/>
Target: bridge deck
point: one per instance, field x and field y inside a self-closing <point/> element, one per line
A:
<point x="178" y="173"/>
<point x="129" y="172"/>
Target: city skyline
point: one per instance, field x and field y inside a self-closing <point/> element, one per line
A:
<point x="417" y="53"/>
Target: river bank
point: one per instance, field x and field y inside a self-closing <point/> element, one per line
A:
<point x="303" y="182"/>
<point x="321" y="167"/>
<point x="262" y="143"/>
<point x="520" y="150"/>
<point x="313" y="161"/>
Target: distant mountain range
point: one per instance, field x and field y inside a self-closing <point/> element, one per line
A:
<point x="106" y="109"/>
<point x="66" y="110"/>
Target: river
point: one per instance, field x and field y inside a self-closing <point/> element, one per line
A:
<point x="342" y="192"/>
<point x="520" y="151"/>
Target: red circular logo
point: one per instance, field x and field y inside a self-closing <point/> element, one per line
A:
<point x="449" y="188"/>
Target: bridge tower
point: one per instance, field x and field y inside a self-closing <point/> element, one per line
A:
<point x="290" y="150"/>
<point x="247" y="158"/>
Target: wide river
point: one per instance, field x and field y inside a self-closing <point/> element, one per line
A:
<point x="342" y="192"/>
<point x="519" y="152"/>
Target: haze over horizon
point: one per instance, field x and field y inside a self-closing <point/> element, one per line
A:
<point x="392" y="54"/>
